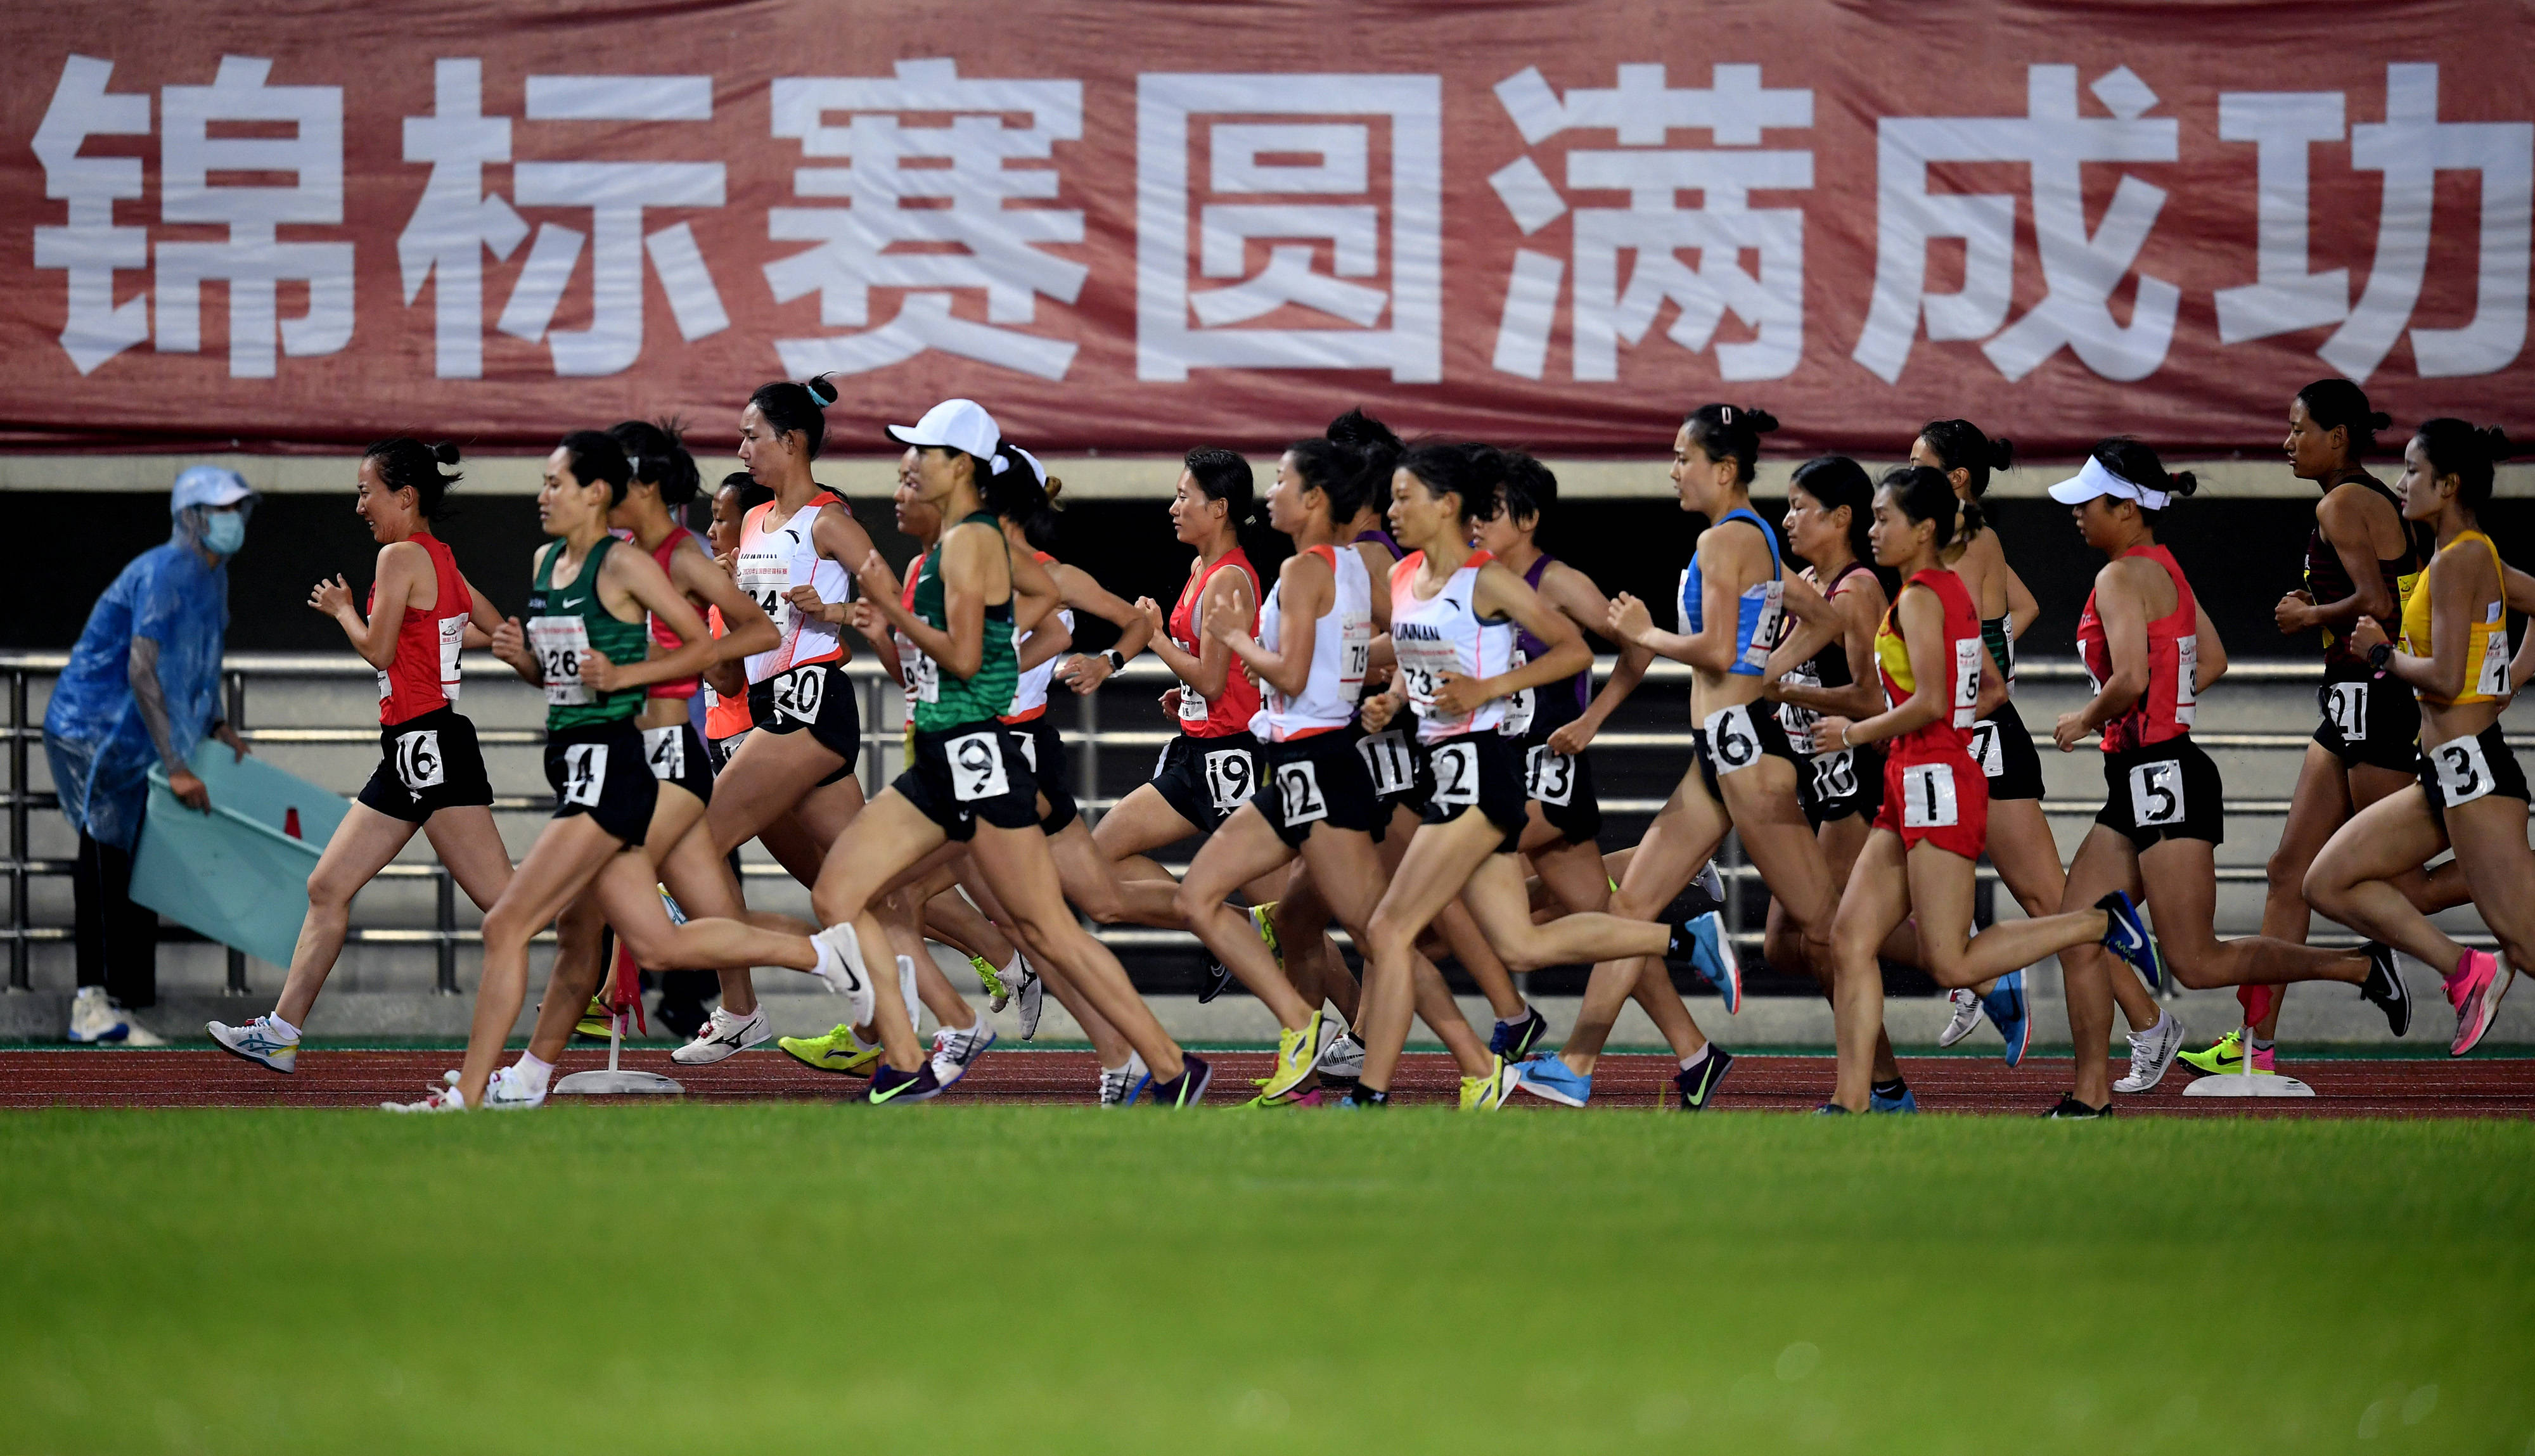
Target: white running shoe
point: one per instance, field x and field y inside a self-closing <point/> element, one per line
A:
<point x="1117" y="1082"/>
<point x="93" y="1018"/>
<point x="1712" y="882"/>
<point x="841" y="965"/>
<point x="1966" y="1017"/>
<point x="1031" y="998"/>
<point x="954" y="1052"/>
<point x="258" y="1041"/>
<point x="137" y="1035"/>
<point x="723" y="1035"/>
<point x="505" y="1092"/>
<point x="446" y="1100"/>
<point x="1344" y="1056"/>
<point x="2152" y="1051"/>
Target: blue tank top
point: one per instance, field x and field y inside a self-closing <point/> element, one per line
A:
<point x="1756" y="625"/>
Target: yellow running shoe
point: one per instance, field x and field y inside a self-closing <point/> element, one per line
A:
<point x="840" y="1051"/>
<point x="996" y="996"/>
<point x="595" y="1020"/>
<point x="1263" y="918"/>
<point x="1488" y="1093"/>
<point x="1297" y="1052"/>
<point x="2226" y="1055"/>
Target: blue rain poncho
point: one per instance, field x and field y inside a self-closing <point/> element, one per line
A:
<point x="96" y="736"/>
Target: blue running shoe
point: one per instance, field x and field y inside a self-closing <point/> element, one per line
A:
<point x="1877" y="1102"/>
<point x="2007" y="1009"/>
<point x="2126" y="937"/>
<point x="1702" y="943"/>
<point x="1545" y="1076"/>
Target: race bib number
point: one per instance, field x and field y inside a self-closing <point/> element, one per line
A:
<point x="1298" y="786"/>
<point x="1799" y="721"/>
<point x="453" y="638"/>
<point x="923" y="677"/>
<point x="1968" y="679"/>
<point x="1028" y="742"/>
<point x="1835" y="775"/>
<point x="798" y="694"/>
<point x="2187" y="677"/>
<point x="1762" y="607"/>
<point x="1517" y="709"/>
<point x="977" y="766"/>
<point x="765" y="576"/>
<point x="1984" y="749"/>
<point x="418" y="765"/>
<point x="385" y="690"/>
<point x="559" y="642"/>
<point x="1732" y="741"/>
<point x="2492" y="679"/>
<point x="2464" y="774"/>
<point x="1355" y="654"/>
<point x="585" y="773"/>
<point x="1230" y="778"/>
<point x="1387" y="759"/>
<point x="1549" y="777"/>
<point x="1455" y="767"/>
<point x="2345" y="706"/>
<point x="2156" y="793"/>
<point x="1928" y="797"/>
<point x="665" y="751"/>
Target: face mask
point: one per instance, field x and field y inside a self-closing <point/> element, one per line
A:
<point x="224" y="532"/>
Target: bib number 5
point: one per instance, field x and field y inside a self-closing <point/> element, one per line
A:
<point x="2157" y="794"/>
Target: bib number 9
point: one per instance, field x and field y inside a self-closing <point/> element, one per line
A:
<point x="2157" y="794"/>
<point x="1230" y="778"/>
<point x="1928" y="797"/>
<point x="1732" y="740"/>
<point x="2464" y="774"/>
<point x="1455" y="767"/>
<point x="977" y="766"/>
<point x="418" y="765"/>
<point x="1387" y="758"/>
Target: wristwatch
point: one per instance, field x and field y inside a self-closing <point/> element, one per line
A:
<point x="2378" y="656"/>
<point x="1116" y="659"/>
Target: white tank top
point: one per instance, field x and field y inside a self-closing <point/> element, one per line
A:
<point x="1029" y="696"/>
<point x="1341" y="641"/>
<point x="1441" y="634"/>
<point x="776" y="556"/>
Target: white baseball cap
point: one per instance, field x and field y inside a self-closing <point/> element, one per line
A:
<point x="2094" y="479"/>
<point x="1037" y="471"/>
<point x="959" y="424"/>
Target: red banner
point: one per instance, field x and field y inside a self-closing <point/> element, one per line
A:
<point x="1133" y="226"/>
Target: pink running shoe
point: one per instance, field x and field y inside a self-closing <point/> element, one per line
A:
<point x="2267" y="1059"/>
<point x="2476" y="989"/>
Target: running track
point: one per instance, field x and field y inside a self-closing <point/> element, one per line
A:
<point x="93" y="1078"/>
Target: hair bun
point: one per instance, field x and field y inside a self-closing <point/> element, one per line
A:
<point x="823" y="389"/>
<point x="1055" y="488"/>
<point x="2002" y="453"/>
<point x="2182" y="483"/>
<point x="445" y="453"/>
<point x="2380" y="420"/>
<point x="1761" y="421"/>
<point x="2495" y="440"/>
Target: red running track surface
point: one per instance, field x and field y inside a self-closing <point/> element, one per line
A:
<point x="116" y="1077"/>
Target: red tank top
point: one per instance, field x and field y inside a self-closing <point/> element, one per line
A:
<point x="669" y="640"/>
<point x="1215" y="717"/>
<point x="1951" y="733"/>
<point x="724" y="718"/>
<point x="423" y="674"/>
<point x="2164" y="710"/>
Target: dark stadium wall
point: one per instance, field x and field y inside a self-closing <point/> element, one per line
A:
<point x="2241" y="555"/>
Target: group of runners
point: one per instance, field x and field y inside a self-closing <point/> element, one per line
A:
<point x="1392" y="736"/>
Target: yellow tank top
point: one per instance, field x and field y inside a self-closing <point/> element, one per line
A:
<point x="2485" y="647"/>
<point x="1893" y="654"/>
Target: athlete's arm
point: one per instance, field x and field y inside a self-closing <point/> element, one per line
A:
<point x="1376" y="569"/>
<point x="1582" y="602"/>
<point x="840" y="538"/>
<point x="2209" y="650"/>
<point x="969" y="561"/>
<point x="1306" y="591"/>
<point x="482" y="617"/>
<point x="510" y="641"/>
<point x="1084" y="593"/>
<point x="2124" y="614"/>
<point x="633" y="576"/>
<point x="1721" y="582"/>
<point x="2342" y="517"/>
<point x="1046" y="640"/>
<point x="1860" y="603"/>
<point x="401" y="567"/>
<point x="2444" y="673"/>
<point x="2022" y="611"/>
<point x="1499" y="595"/>
<point x="1923" y="624"/>
<point x="1817" y="625"/>
<point x="745" y="626"/>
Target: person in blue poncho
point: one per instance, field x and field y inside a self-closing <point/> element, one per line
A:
<point x="142" y="686"/>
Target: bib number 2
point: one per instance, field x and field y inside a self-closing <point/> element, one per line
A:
<point x="1455" y="767"/>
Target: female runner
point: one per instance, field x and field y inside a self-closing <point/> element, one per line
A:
<point x="1454" y="613"/>
<point x="2020" y="844"/>
<point x="430" y="774"/>
<point x="2361" y="560"/>
<point x="1745" y="775"/>
<point x="1932" y="823"/>
<point x="1316" y="800"/>
<point x="587" y="643"/>
<point x="2149" y="650"/>
<point x="968" y="781"/>
<point x="2471" y="795"/>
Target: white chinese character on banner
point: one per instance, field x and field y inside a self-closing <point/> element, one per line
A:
<point x="2079" y="268"/>
<point x="977" y="240"/>
<point x="253" y="260"/>
<point x="616" y="193"/>
<point x="91" y="248"/>
<point x="454" y="221"/>
<point x="1264" y="159"/>
<point x="1654" y="228"/>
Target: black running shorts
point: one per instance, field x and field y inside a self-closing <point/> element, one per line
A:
<point x="2004" y="752"/>
<point x="1044" y="747"/>
<point x="2368" y="719"/>
<point x="1561" y="784"/>
<point x="1205" y="779"/>
<point x="2463" y="770"/>
<point x="2167" y="790"/>
<point x="1317" y="781"/>
<point x="427" y="763"/>
<point x="677" y="756"/>
<point x="601" y="770"/>
<point x="1474" y="771"/>
<point x="968" y="773"/>
<point x="1841" y="783"/>
<point x="818" y="698"/>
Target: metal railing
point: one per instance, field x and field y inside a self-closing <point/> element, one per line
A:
<point x="880" y="697"/>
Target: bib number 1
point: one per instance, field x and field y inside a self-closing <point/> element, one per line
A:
<point x="1928" y="799"/>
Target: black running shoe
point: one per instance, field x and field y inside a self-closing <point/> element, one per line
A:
<point x="1216" y="976"/>
<point x="888" y="1084"/>
<point x="2385" y="988"/>
<point x="2070" y="1107"/>
<point x="1188" y="1090"/>
<point x="1700" y="1083"/>
<point x="1830" y="1109"/>
<point x="1514" y="1040"/>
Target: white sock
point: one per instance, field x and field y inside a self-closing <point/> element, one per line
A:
<point x="532" y="1072"/>
<point x="2162" y="1018"/>
<point x="907" y="989"/>
<point x="1693" y="1064"/>
<point x="1517" y="1019"/>
<point x="286" y="1028"/>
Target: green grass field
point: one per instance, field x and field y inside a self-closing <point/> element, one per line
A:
<point x="791" y="1277"/>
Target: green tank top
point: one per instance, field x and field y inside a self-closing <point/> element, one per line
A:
<point x="945" y="702"/>
<point x="565" y="622"/>
<point x="2000" y="645"/>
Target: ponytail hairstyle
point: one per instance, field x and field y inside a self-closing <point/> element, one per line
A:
<point x="1337" y="472"/>
<point x="1376" y="450"/>
<point x="788" y="405"/>
<point x="596" y="458"/>
<point x="2456" y="448"/>
<point x="1923" y="492"/>
<point x="1836" y="482"/>
<point x="657" y="453"/>
<point x="1960" y="445"/>
<point x="1038" y="518"/>
<point x="1008" y="483"/>
<point x="2135" y="461"/>
<point x="1529" y="488"/>
<point x="2339" y="404"/>
<point x="1731" y="432"/>
<point x="407" y="463"/>
<point x="1469" y="471"/>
